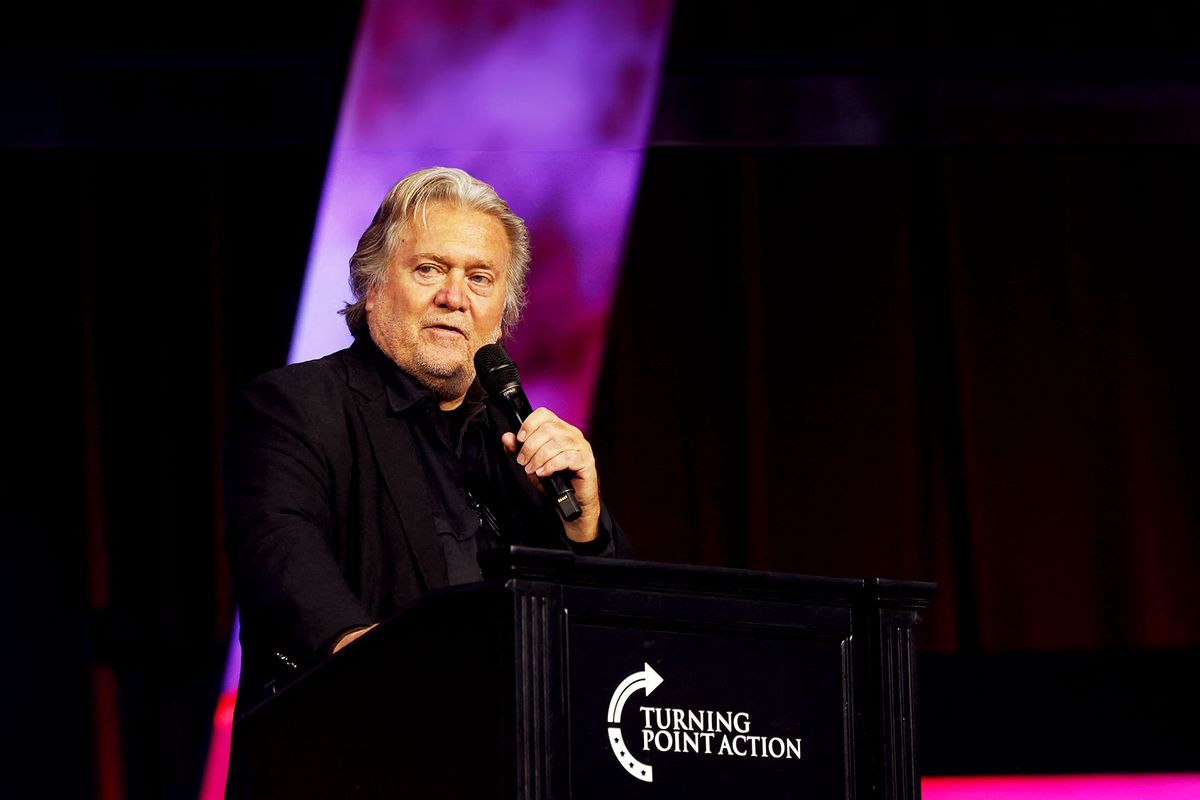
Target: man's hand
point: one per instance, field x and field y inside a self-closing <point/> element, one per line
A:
<point x="548" y="445"/>
<point x="351" y="636"/>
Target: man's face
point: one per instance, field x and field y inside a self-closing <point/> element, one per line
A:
<point x="444" y="297"/>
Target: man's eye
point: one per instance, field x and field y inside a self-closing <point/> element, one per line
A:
<point x="426" y="269"/>
<point x="481" y="279"/>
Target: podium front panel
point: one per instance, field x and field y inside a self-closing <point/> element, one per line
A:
<point x="706" y="698"/>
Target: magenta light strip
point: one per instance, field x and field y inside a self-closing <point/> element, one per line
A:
<point x="551" y="102"/>
<point x="1064" y="787"/>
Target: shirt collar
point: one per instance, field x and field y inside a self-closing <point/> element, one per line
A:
<point x="404" y="391"/>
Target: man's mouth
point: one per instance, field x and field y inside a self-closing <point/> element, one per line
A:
<point x="441" y="326"/>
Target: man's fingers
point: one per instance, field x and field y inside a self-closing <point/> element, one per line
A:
<point x="544" y="454"/>
<point x="540" y="416"/>
<point x="549" y="445"/>
<point x="566" y="460"/>
<point x="543" y="435"/>
<point x="509" y="440"/>
<point x="542" y="445"/>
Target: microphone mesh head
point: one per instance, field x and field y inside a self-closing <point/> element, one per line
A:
<point x="495" y="369"/>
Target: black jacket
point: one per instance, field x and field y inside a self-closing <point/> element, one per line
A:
<point x="328" y="520"/>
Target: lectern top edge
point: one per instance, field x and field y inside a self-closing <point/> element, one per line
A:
<point x="530" y="563"/>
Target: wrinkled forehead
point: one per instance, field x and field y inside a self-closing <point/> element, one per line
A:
<point x="452" y="231"/>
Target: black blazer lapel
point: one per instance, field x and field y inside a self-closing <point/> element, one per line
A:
<point x="395" y="454"/>
<point x="393" y="447"/>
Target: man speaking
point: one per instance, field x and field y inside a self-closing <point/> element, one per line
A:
<point x="361" y="480"/>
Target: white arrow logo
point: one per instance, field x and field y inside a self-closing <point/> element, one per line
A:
<point x="649" y="680"/>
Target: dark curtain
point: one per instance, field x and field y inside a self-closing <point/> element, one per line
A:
<point x="150" y="285"/>
<point x="968" y="365"/>
<point x="162" y="170"/>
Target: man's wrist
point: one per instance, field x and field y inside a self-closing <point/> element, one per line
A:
<point x="601" y="544"/>
<point x="585" y="529"/>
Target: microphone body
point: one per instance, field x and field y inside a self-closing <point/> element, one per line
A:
<point x="499" y="376"/>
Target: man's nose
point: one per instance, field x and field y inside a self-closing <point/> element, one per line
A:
<point x="452" y="294"/>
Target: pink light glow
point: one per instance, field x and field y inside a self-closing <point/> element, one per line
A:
<point x="217" y="766"/>
<point x="1064" y="787"/>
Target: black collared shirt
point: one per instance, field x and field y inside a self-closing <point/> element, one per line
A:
<point x="475" y="502"/>
<point x="453" y="450"/>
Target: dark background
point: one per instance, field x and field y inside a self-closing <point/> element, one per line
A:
<point x="908" y="293"/>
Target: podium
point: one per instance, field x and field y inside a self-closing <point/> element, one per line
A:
<point x="568" y="677"/>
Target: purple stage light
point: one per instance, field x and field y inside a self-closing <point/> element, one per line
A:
<point x="549" y="102"/>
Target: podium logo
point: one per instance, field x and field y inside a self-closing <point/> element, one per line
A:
<point x="649" y="680"/>
<point x="687" y="730"/>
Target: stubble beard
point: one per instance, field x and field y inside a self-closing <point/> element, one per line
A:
<point x="447" y="377"/>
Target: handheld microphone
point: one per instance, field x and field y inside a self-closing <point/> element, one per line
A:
<point x="499" y="376"/>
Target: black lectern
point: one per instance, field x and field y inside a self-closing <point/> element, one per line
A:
<point x="567" y="677"/>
